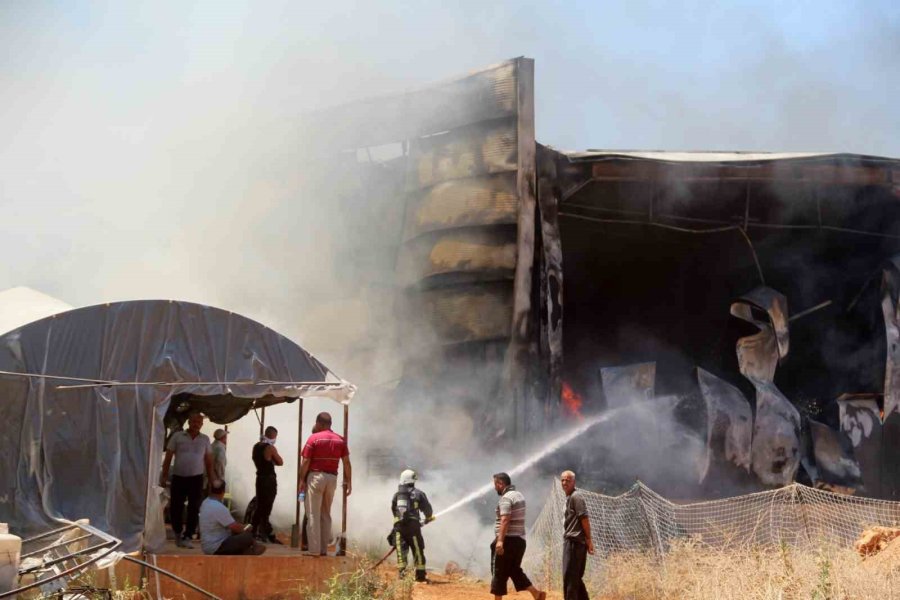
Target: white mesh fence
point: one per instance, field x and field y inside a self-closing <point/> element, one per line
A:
<point x="641" y="520"/>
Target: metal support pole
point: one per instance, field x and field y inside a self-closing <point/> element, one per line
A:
<point x="296" y="535"/>
<point x="343" y="545"/>
<point x="262" y="421"/>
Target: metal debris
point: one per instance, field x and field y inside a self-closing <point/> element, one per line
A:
<point x="861" y="423"/>
<point x="775" y="452"/>
<point x="890" y="294"/>
<point x="834" y="461"/>
<point x="729" y="422"/>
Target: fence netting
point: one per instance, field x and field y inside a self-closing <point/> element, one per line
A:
<point x="640" y="520"/>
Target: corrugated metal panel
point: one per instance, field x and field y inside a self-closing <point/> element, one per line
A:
<point x="489" y="200"/>
<point x="471" y="151"/>
<point x="473" y="250"/>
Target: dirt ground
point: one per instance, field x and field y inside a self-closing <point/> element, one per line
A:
<point x="443" y="587"/>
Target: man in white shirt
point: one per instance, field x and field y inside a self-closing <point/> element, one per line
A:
<point x="219" y="532"/>
<point x="193" y="457"/>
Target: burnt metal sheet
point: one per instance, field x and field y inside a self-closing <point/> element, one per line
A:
<point x="775" y="305"/>
<point x="834" y="460"/>
<point x="623" y="386"/>
<point x="861" y="423"/>
<point x="775" y="452"/>
<point x="489" y="200"/>
<point x="489" y="251"/>
<point x="457" y="314"/>
<point x="550" y="257"/>
<point x="890" y="294"/>
<point x="890" y="457"/>
<point x="729" y="422"/>
<point x="487" y="94"/>
<point x="471" y="151"/>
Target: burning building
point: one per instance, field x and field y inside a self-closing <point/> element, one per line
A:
<point x="520" y="271"/>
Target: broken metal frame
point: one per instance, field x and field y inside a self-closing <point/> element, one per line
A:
<point x="94" y="553"/>
<point x="107" y="546"/>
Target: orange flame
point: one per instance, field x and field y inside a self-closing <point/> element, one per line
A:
<point x="571" y="401"/>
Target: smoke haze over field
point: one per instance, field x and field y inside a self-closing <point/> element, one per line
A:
<point x="151" y="150"/>
<point x="155" y="151"/>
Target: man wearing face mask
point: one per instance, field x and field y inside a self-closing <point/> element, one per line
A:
<point x="266" y="458"/>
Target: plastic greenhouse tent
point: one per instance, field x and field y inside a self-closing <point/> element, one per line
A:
<point x="84" y="395"/>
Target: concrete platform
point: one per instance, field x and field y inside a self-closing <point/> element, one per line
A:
<point x="282" y="573"/>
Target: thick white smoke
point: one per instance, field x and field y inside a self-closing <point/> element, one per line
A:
<point x="153" y="151"/>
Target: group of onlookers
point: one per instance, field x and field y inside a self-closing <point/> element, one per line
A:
<point x="322" y="455"/>
<point x="195" y="457"/>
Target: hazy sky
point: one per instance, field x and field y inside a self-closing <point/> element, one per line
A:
<point x="150" y="149"/>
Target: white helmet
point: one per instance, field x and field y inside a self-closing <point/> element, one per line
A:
<point x="408" y="477"/>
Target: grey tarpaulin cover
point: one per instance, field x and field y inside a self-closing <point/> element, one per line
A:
<point x="95" y="452"/>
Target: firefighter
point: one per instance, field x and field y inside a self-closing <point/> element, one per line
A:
<point x="409" y="506"/>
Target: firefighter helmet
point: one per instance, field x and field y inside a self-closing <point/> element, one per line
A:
<point x="408" y="477"/>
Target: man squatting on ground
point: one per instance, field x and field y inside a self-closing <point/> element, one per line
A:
<point x="408" y="506"/>
<point x="193" y="456"/>
<point x="508" y="548"/>
<point x="577" y="542"/>
<point x="322" y="453"/>
<point x="219" y="532"/>
<point x="266" y="458"/>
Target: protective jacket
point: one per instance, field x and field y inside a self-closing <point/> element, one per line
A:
<point x="409" y="504"/>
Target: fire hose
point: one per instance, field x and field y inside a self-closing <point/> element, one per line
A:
<point x="394" y="548"/>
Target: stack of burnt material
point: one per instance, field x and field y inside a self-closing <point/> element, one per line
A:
<point x="771" y="444"/>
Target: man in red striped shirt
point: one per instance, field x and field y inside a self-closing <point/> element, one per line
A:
<point x="323" y="452"/>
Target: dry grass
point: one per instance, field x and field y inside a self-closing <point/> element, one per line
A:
<point x="691" y="571"/>
<point x="365" y="583"/>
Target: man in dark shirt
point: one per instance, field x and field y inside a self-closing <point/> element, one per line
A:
<point x="577" y="543"/>
<point x="266" y="458"/>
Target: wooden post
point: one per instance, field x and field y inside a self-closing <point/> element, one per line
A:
<point x="342" y="550"/>
<point x="296" y="534"/>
